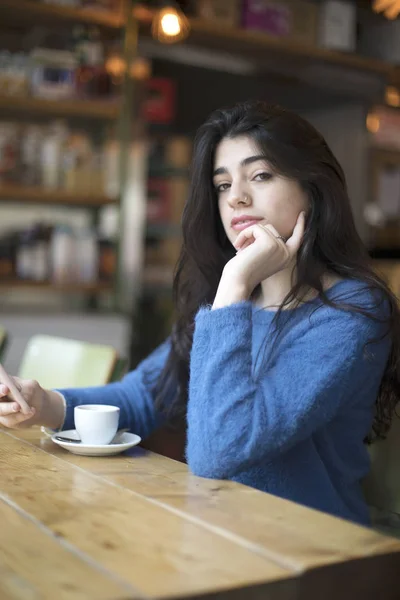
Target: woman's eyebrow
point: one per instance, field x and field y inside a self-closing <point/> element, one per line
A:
<point x="243" y="163"/>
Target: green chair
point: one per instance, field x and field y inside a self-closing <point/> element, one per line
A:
<point x="121" y="367"/>
<point x="61" y="362"/>
<point x="382" y="485"/>
<point x="3" y="342"/>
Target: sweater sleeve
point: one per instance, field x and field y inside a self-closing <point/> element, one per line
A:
<point x="234" y="421"/>
<point x="134" y="395"/>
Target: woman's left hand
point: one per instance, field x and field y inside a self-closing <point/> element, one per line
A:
<point x="261" y="253"/>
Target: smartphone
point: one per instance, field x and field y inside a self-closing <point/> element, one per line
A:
<point x="14" y="394"/>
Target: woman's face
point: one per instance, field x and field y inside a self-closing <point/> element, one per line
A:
<point x="250" y="192"/>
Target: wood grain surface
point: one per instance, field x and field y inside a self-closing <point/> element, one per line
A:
<point x="140" y="525"/>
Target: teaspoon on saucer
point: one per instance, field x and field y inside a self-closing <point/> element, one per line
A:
<point x="62" y="438"/>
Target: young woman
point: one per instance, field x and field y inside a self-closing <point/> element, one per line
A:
<point x="284" y="357"/>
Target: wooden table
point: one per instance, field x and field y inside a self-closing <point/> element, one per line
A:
<point x="140" y="525"/>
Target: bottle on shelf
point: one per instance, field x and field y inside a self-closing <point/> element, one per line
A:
<point x="19" y="76"/>
<point x="107" y="242"/>
<point x="111" y="152"/>
<point x="78" y="163"/>
<point x="91" y="77"/>
<point x="30" y="151"/>
<point x="7" y="256"/>
<point x="25" y="260"/>
<point x="61" y="255"/>
<point x="9" y="152"/>
<point x="86" y="256"/>
<point x="52" y="155"/>
<point x="40" y="266"/>
<point x="14" y="73"/>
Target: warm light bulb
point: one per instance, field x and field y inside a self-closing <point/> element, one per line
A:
<point x="392" y="96"/>
<point x="140" y="69"/>
<point x="170" y="25"/>
<point x="390" y="8"/>
<point x="373" y="123"/>
<point x="115" y="65"/>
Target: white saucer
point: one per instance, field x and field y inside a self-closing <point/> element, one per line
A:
<point x="122" y="441"/>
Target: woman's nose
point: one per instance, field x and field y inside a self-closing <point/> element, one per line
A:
<point x="238" y="197"/>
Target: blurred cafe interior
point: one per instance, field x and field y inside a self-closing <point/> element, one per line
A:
<point x="99" y="103"/>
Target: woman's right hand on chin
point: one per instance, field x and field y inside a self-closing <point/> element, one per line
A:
<point x="46" y="407"/>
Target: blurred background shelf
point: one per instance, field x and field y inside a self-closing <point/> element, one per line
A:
<point x="206" y="34"/>
<point x="36" y="195"/>
<point x="88" y="109"/>
<point x="46" y="286"/>
<point x="266" y="53"/>
<point x="258" y="45"/>
<point x="19" y="12"/>
<point x="290" y="62"/>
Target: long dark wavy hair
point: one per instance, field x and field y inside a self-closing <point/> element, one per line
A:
<point x="296" y="150"/>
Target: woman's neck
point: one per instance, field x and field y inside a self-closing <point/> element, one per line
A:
<point x="274" y="290"/>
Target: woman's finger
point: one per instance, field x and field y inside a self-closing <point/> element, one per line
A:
<point x="271" y="229"/>
<point x="244" y="236"/>
<point x="8" y="408"/>
<point x="250" y="234"/>
<point x="294" y="242"/>
<point x="246" y="244"/>
<point x="4" y="391"/>
<point x="12" y="421"/>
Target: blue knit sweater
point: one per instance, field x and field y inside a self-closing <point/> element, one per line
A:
<point x="287" y="414"/>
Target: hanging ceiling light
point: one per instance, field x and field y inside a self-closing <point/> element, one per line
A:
<point x="115" y="66"/>
<point x="373" y="122"/>
<point x="390" y="8"/>
<point x="392" y="96"/>
<point x="170" y="25"/>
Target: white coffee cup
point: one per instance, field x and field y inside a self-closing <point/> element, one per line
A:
<point x="96" y="424"/>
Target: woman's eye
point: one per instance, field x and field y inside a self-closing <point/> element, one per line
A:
<point x="264" y="176"/>
<point x="222" y="187"/>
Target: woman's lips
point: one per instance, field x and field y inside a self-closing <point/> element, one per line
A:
<point x="241" y="225"/>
